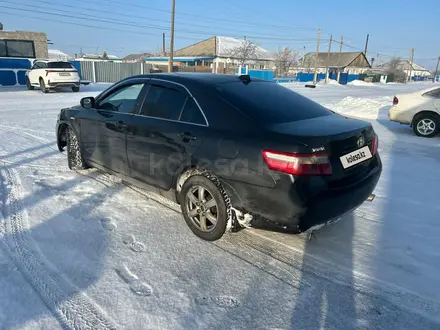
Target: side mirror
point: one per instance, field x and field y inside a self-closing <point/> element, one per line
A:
<point x="88" y="102"/>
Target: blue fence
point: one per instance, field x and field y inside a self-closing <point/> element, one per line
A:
<point x="343" y="79"/>
<point x="77" y="66"/>
<point x="259" y="74"/>
<point x="13" y="71"/>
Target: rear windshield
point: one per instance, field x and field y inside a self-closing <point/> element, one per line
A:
<point x="269" y="102"/>
<point x="59" y="65"/>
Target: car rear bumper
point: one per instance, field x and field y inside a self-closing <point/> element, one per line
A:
<point x="399" y="116"/>
<point x="303" y="203"/>
<point x="63" y="84"/>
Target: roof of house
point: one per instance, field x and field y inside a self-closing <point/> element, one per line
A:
<point x="337" y="59"/>
<point x="136" y="57"/>
<point x="220" y="46"/>
<point x="406" y="65"/>
<point x="55" y="54"/>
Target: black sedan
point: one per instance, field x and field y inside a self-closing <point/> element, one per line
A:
<point x="226" y="148"/>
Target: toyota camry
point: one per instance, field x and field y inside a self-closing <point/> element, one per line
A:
<point x="228" y="149"/>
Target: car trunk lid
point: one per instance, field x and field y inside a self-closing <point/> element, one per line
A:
<point x="336" y="136"/>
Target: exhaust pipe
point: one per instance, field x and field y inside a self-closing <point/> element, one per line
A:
<point x="371" y="197"/>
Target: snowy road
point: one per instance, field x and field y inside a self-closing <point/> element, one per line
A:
<point x="84" y="251"/>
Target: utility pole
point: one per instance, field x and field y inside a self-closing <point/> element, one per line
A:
<point x="244" y="37"/>
<point x="436" y="68"/>
<point x="366" y="45"/>
<point x="328" y="58"/>
<point x="315" y="76"/>
<point x="164" y="50"/>
<point x="171" y="59"/>
<point x="411" y="64"/>
<point x="339" y="58"/>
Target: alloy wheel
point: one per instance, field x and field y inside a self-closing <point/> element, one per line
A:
<point x="426" y="126"/>
<point x="201" y="208"/>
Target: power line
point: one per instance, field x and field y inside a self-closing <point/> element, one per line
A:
<point x="156" y="27"/>
<point x="100" y="11"/>
<point x="193" y="15"/>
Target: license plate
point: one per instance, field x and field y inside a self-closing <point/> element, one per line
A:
<point x="356" y="157"/>
<point x="65" y="74"/>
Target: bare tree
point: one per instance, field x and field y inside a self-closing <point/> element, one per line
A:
<point x="285" y="59"/>
<point x="394" y="69"/>
<point x="245" y="52"/>
<point x="308" y="63"/>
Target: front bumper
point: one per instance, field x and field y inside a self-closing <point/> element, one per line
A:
<point x="301" y="203"/>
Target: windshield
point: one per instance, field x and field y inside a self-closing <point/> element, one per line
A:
<point x="269" y="102"/>
<point x="59" y="65"/>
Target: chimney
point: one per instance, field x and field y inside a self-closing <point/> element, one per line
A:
<point x="1" y="27"/>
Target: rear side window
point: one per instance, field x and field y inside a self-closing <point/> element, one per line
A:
<point x="59" y="65"/>
<point x="192" y="114"/>
<point x="434" y="93"/>
<point x="2" y="48"/>
<point x="269" y="102"/>
<point x="163" y="102"/>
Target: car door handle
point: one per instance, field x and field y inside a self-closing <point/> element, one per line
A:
<point x="187" y="136"/>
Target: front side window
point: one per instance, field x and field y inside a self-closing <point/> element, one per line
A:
<point x="20" y="48"/>
<point x="123" y="100"/>
<point x="163" y="102"/>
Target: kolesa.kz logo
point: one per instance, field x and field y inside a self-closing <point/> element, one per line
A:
<point x="353" y="158"/>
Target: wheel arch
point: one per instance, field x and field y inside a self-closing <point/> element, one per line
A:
<point x="61" y="135"/>
<point x="188" y="170"/>
<point x="425" y="112"/>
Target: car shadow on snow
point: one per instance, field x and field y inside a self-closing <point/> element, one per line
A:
<point x="59" y="258"/>
<point x="324" y="302"/>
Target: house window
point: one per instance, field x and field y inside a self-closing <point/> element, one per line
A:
<point x="17" y="48"/>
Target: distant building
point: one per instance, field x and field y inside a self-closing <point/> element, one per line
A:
<point x="23" y="44"/>
<point x="217" y="53"/>
<point x="134" y="58"/>
<point x="55" y="54"/>
<point x="406" y="66"/>
<point x="346" y="62"/>
<point x="97" y="57"/>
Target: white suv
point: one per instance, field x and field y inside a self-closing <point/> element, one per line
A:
<point x="52" y="74"/>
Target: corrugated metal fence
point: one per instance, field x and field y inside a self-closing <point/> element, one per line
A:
<point x="110" y="72"/>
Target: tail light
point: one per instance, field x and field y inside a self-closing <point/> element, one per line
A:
<point x="49" y="71"/>
<point x="395" y="100"/>
<point x="374" y="145"/>
<point x="298" y="164"/>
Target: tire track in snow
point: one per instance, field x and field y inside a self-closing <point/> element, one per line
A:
<point x="73" y="309"/>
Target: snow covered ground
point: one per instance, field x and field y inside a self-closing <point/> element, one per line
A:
<point x="84" y="251"/>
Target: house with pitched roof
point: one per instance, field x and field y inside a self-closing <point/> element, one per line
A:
<point x="345" y="62"/>
<point x="218" y="53"/>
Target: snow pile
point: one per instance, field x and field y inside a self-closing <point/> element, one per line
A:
<point x="226" y="46"/>
<point x="329" y="82"/>
<point x="360" y="83"/>
<point x="360" y="107"/>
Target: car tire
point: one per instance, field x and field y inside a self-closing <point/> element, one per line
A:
<point x="213" y="203"/>
<point x="28" y="84"/>
<point x="426" y="125"/>
<point x="75" y="89"/>
<point x="43" y="87"/>
<point x="75" y="158"/>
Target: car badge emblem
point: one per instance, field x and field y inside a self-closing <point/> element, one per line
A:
<point x="361" y="142"/>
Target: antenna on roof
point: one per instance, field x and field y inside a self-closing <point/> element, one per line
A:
<point x="245" y="78"/>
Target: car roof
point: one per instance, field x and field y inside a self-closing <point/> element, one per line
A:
<point x="423" y="91"/>
<point x="211" y="78"/>
<point x="50" y="61"/>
